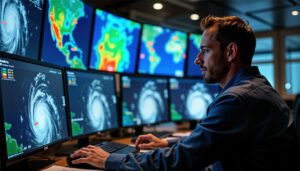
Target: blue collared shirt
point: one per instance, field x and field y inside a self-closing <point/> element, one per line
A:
<point x="247" y="128"/>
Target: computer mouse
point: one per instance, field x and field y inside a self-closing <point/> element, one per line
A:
<point x="81" y="165"/>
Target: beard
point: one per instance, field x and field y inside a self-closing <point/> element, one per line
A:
<point x="216" y="72"/>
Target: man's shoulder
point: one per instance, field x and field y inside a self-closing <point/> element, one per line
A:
<point x="247" y="86"/>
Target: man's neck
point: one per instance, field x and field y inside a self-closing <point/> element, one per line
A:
<point x="234" y="68"/>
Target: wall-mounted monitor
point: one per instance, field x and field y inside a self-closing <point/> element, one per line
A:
<point x="92" y="102"/>
<point x="115" y="43"/>
<point x="20" y="27"/>
<point x="190" y="98"/>
<point x="33" y="107"/>
<point x="67" y="31"/>
<point x="144" y="100"/>
<point x="162" y="51"/>
<point x="193" y="70"/>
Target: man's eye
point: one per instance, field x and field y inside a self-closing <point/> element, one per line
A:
<point x="204" y="50"/>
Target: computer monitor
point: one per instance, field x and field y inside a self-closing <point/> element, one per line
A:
<point x="193" y="70"/>
<point x="20" y="27"/>
<point x="145" y="100"/>
<point x="162" y="51"/>
<point x="189" y="98"/>
<point x="92" y="102"/>
<point x="115" y="43"/>
<point x="67" y="33"/>
<point x="33" y="107"/>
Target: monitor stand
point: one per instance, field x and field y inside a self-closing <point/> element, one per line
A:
<point x="67" y="150"/>
<point x="82" y="142"/>
<point x="193" y="125"/>
<point x="31" y="164"/>
<point x="139" y="130"/>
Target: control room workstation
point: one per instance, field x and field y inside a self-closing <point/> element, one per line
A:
<point x="82" y="75"/>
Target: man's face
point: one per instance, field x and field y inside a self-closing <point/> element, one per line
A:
<point x="211" y="58"/>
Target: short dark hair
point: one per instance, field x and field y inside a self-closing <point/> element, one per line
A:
<point x="233" y="29"/>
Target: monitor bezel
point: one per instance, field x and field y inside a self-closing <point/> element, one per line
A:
<point x="93" y="72"/>
<point x="185" y="78"/>
<point x="121" y="100"/>
<point x="162" y="75"/>
<point x="92" y="38"/>
<point x="9" y="161"/>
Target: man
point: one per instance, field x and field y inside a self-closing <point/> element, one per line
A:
<point x="247" y="127"/>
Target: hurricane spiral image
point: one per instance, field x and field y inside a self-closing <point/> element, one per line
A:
<point x="14" y="27"/>
<point x="150" y="103"/>
<point x="197" y="101"/>
<point x="97" y="106"/>
<point x="42" y="112"/>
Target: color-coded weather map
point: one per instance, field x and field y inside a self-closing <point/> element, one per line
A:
<point x="115" y="43"/>
<point x="12" y="145"/>
<point x="163" y="51"/>
<point x="67" y="33"/>
<point x="193" y="50"/>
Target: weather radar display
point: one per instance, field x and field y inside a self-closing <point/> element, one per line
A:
<point x="190" y="98"/>
<point x="67" y="33"/>
<point x="115" y="43"/>
<point x="92" y="102"/>
<point x="20" y="27"/>
<point x="193" y="50"/>
<point x="38" y="114"/>
<point x="163" y="51"/>
<point x="144" y="100"/>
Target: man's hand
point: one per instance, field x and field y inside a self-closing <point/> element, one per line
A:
<point x="92" y="155"/>
<point x="150" y="142"/>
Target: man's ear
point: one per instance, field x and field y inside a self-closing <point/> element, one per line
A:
<point x="231" y="52"/>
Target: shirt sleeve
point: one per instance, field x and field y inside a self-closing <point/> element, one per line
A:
<point x="219" y="133"/>
<point x="172" y="142"/>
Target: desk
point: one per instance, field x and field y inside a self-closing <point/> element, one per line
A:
<point x="61" y="161"/>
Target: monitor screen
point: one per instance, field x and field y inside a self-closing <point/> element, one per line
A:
<point x="20" y="27"/>
<point x="67" y="31"/>
<point x="162" y="52"/>
<point x="92" y="102"/>
<point x="33" y="106"/>
<point x="189" y="98"/>
<point x="193" y="50"/>
<point x="144" y="100"/>
<point x="115" y="43"/>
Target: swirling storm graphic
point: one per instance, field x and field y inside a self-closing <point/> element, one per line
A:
<point x="14" y="27"/>
<point x="98" y="112"/>
<point x="43" y="113"/>
<point x="197" y="101"/>
<point x="150" y="103"/>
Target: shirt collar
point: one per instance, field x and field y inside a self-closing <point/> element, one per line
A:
<point x="242" y="74"/>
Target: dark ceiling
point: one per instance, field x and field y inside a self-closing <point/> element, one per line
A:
<point x="263" y="15"/>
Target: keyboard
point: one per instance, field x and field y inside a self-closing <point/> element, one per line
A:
<point x="119" y="148"/>
<point x="110" y="147"/>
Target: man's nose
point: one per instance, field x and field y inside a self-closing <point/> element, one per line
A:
<point x="197" y="60"/>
